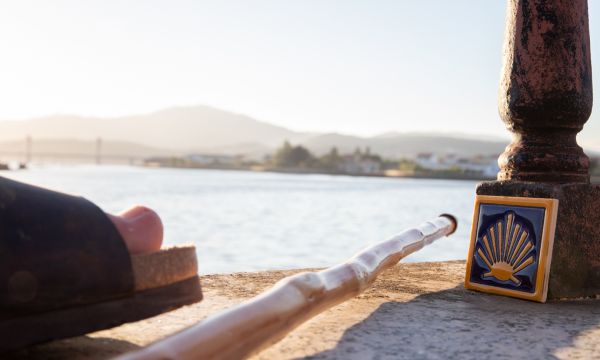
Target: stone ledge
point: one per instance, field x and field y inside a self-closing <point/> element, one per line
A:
<point x="413" y="311"/>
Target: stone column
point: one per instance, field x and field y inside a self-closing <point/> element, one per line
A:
<point x="546" y="90"/>
<point x="545" y="98"/>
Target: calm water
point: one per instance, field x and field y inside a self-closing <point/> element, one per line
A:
<point x="244" y="221"/>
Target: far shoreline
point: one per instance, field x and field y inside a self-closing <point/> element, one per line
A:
<point x="303" y="171"/>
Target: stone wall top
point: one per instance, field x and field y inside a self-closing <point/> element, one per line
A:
<point x="417" y="310"/>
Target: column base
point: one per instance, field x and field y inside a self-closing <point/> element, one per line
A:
<point x="575" y="268"/>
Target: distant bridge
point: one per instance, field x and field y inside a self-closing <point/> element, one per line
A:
<point x="27" y="155"/>
<point x="69" y="157"/>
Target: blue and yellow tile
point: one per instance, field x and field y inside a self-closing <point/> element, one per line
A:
<point x="511" y="246"/>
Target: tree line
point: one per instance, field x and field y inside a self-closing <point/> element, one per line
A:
<point x="290" y="156"/>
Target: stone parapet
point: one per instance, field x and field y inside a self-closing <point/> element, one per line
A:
<point x="413" y="311"/>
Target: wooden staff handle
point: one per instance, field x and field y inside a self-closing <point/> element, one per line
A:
<point x="255" y="324"/>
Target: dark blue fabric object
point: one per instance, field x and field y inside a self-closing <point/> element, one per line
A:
<point x="57" y="251"/>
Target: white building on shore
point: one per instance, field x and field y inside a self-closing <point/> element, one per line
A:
<point x="484" y="165"/>
<point x="360" y="165"/>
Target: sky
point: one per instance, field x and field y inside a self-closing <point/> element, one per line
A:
<point x="355" y="67"/>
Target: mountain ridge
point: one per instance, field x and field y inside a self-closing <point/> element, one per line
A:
<point x="187" y="129"/>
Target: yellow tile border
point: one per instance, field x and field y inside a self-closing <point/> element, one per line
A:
<point x="546" y="242"/>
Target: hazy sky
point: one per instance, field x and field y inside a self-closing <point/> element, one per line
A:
<point x="358" y="67"/>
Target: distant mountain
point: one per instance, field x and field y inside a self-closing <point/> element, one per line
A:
<point x="406" y="145"/>
<point x="180" y="130"/>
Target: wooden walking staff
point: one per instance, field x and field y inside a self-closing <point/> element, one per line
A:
<point x="260" y="322"/>
<point x="545" y="98"/>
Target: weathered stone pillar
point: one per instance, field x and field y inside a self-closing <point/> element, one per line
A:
<point x="545" y="98"/>
<point x="546" y="90"/>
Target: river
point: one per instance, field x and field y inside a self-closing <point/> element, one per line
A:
<point x="247" y="221"/>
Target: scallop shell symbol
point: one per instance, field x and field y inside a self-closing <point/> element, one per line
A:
<point x="506" y="249"/>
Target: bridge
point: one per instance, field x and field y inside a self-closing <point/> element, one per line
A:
<point x="97" y="155"/>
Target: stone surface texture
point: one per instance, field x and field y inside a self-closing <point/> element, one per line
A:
<point x="575" y="268"/>
<point x="413" y="311"/>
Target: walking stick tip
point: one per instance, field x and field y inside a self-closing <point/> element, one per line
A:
<point x="453" y="220"/>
